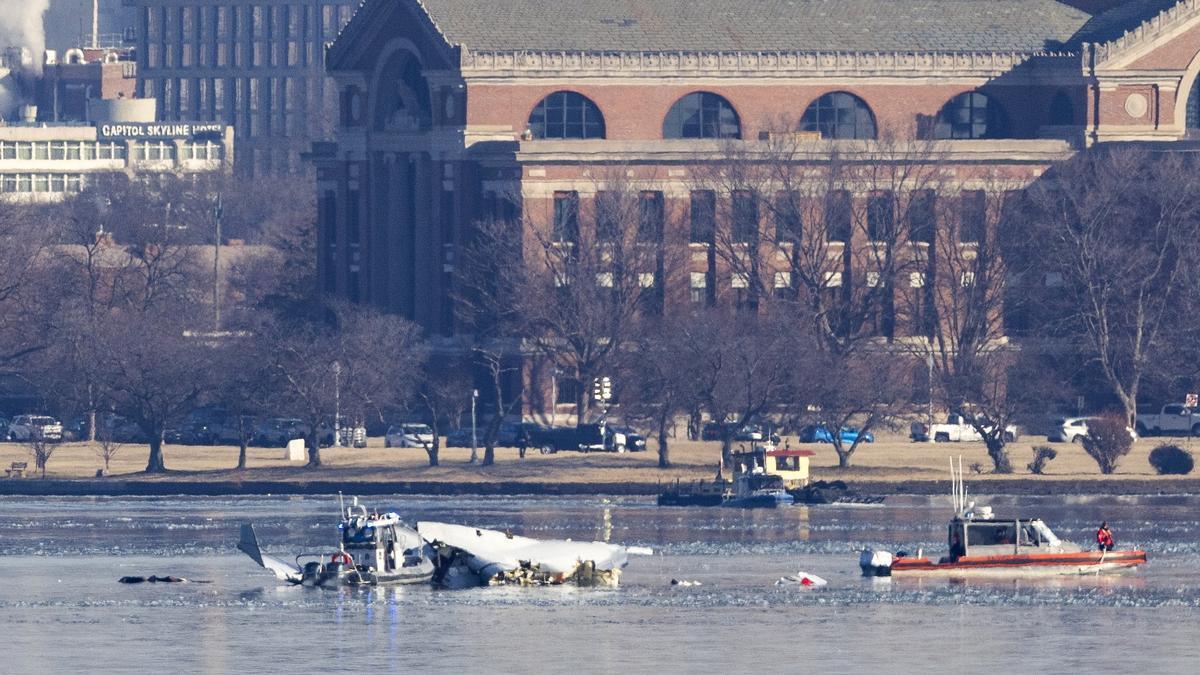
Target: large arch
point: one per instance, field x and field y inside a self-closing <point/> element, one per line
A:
<point x="840" y="114"/>
<point x="566" y="115"/>
<point x="971" y="115"/>
<point x="702" y="114"/>
<point x="399" y="96"/>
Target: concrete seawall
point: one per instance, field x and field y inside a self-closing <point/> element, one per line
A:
<point x="162" y="488"/>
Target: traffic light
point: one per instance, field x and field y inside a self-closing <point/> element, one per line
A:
<point x="602" y="389"/>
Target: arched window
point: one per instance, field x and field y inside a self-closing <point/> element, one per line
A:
<point x="565" y="114"/>
<point x="970" y="115"/>
<point x="702" y="115"/>
<point x="1062" y="113"/>
<point x="1192" y="114"/>
<point x="839" y="115"/>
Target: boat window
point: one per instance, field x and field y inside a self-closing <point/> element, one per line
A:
<point x="990" y="534"/>
<point x="787" y="463"/>
<point x="1029" y="535"/>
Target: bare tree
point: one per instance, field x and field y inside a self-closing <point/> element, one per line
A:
<point x="1116" y="232"/>
<point x="151" y="369"/>
<point x="441" y="396"/>
<point x="41" y="450"/>
<point x="592" y="267"/>
<point x="105" y="447"/>
<point x="357" y="360"/>
<point x="825" y="238"/>
<point x="657" y="380"/>
<point x="742" y="371"/>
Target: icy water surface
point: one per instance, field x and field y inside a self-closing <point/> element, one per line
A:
<point x="61" y="609"/>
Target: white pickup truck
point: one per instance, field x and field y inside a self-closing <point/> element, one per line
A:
<point x="1175" y="418"/>
<point x="956" y="428"/>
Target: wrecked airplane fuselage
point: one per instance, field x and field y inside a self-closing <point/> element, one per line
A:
<point x="471" y="556"/>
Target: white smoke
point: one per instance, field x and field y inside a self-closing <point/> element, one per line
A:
<point x="21" y="27"/>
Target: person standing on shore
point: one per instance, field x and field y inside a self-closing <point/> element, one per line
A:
<point x="1104" y="537"/>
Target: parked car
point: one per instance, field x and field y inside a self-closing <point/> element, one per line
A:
<point x="277" y="431"/>
<point x="3" y="426"/>
<point x="817" y="433"/>
<point x="461" y="437"/>
<point x="956" y="428"/>
<point x="30" y="427"/>
<point x="1069" y="430"/>
<point x="408" y="436"/>
<point x="622" y="439"/>
<point x="584" y="438"/>
<point x="1174" y="418"/>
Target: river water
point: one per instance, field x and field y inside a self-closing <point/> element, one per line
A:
<point x="61" y="609"/>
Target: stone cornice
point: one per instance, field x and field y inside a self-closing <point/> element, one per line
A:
<point x="1098" y="53"/>
<point x="765" y="63"/>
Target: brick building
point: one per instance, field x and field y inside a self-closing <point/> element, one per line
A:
<point x="257" y="65"/>
<point x="454" y="111"/>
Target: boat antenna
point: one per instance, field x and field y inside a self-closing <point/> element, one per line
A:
<point x="341" y="505"/>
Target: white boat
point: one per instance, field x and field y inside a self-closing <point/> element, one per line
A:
<point x="374" y="549"/>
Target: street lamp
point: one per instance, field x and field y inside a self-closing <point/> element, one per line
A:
<point x="337" y="404"/>
<point x="474" y="442"/>
<point x="929" y="411"/>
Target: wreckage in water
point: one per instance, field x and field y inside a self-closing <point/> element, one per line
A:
<point x="374" y="550"/>
<point x="471" y="556"/>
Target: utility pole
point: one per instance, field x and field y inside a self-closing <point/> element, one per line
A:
<point x="217" y="213"/>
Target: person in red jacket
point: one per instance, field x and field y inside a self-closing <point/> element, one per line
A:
<point x="1104" y="537"/>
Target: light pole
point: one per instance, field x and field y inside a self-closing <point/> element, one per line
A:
<point x="474" y="442"/>
<point x="218" y="211"/>
<point x="929" y="411"/>
<point x="337" y="404"/>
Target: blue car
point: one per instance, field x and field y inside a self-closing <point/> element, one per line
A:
<point x="815" y="433"/>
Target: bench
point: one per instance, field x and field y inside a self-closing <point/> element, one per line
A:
<point x="17" y="470"/>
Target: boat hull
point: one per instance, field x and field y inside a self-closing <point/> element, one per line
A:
<point x="1034" y="564"/>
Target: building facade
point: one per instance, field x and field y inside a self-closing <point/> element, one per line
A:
<point x="450" y="115"/>
<point x="45" y="163"/>
<point x="256" y="65"/>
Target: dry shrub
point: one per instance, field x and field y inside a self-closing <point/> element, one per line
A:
<point x="1107" y="441"/>
<point x="1042" y="454"/>
<point x="1171" y="459"/>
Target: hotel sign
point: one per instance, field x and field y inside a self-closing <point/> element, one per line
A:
<point x="161" y="130"/>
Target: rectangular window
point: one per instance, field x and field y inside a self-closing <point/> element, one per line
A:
<point x="974" y="216"/>
<point x="566" y="217"/>
<point x="651" y="216"/>
<point x="699" y="288"/>
<point x="328" y="211"/>
<point x="787" y="217"/>
<point x="608" y="216"/>
<point x="922" y="216"/>
<point x="745" y="217"/>
<point x="881" y="215"/>
<point x="703" y="217"/>
<point x="838" y="216"/>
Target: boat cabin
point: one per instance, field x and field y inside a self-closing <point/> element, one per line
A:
<point x="790" y="466"/>
<point x="970" y="537"/>
<point x="376" y="543"/>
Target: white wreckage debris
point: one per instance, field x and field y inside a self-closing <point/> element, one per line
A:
<point x="801" y="579"/>
<point x="472" y="556"/>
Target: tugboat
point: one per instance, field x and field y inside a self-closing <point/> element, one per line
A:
<point x="982" y="544"/>
<point x="374" y="550"/>
<point x="765" y="477"/>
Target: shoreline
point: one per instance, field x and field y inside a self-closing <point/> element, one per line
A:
<point x="35" y="487"/>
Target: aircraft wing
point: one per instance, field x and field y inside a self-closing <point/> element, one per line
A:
<point x="248" y="544"/>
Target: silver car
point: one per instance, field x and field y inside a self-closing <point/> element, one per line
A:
<point x="1069" y="430"/>
<point x="34" y="427"/>
<point x="408" y="436"/>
